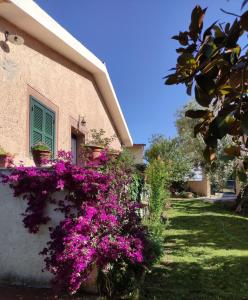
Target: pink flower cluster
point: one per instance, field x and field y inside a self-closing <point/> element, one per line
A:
<point x="101" y="223"/>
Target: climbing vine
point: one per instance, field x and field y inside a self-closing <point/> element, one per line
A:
<point x="101" y="227"/>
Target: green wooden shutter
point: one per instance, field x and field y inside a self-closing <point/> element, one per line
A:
<point x="42" y="124"/>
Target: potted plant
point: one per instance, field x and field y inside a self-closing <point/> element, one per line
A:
<point x="98" y="142"/>
<point x="6" y="159"/>
<point x="41" y="152"/>
<point x="113" y="153"/>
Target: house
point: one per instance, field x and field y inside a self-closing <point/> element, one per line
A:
<point x="138" y="152"/>
<point x="53" y="89"/>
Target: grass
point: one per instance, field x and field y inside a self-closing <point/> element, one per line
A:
<point x="205" y="255"/>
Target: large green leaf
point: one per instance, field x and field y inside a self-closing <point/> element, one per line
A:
<point x="234" y="34"/>
<point x="171" y="79"/>
<point x="210" y="140"/>
<point x="201" y="97"/>
<point x="206" y="84"/>
<point x="186" y="59"/>
<point x="244" y="21"/>
<point x="244" y="3"/>
<point x="196" y="24"/>
<point x="195" y="114"/>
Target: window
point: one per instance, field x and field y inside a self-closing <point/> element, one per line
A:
<point x="77" y="139"/>
<point x="74" y="148"/>
<point x="42" y="124"/>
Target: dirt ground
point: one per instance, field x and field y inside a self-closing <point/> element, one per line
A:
<point x="24" y="293"/>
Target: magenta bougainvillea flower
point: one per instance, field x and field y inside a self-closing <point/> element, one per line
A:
<point x="101" y="223"/>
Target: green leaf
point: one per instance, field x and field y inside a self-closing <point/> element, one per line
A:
<point x="212" y="64"/>
<point x="208" y="31"/>
<point x="198" y="128"/>
<point x="210" y="49"/>
<point x="235" y="54"/>
<point x="234" y="34"/>
<point x="186" y="59"/>
<point x="206" y="84"/>
<point x="201" y="97"/>
<point x="219" y="126"/>
<point x="225" y="89"/>
<point x="171" y="79"/>
<point x="244" y="3"/>
<point x="218" y="32"/>
<point x="196" y="24"/>
<point x="175" y="37"/>
<point x="227" y="28"/>
<point x="183" y="38"/>
<point x="244" y="21"/>
<point x="210" y="140"/>
<point x="196" y="114"/>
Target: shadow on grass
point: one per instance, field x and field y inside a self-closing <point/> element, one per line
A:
<point x="219" y="232"/>
<point x="208" y="255"/>
<point x="223" y="278"/>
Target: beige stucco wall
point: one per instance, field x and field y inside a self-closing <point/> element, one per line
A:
<point x="137" y="152"/>
<point x="20" y="262"/>
<point x="201" y="188"/>
<point x="68" y="88"/>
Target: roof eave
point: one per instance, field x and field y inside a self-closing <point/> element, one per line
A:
<point x="29" y="17"/>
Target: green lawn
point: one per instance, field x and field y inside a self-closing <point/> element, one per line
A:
<point x="205" y="256"/>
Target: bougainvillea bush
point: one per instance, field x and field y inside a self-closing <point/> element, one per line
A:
<point x="101" y="227"/>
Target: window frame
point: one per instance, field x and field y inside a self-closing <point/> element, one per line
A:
<point x="32" y="100"/>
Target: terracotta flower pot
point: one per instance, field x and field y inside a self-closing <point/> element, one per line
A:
<point x="40" y="155"/>
<point x="95" y="150"/>
<point x="90" y="286"/>
<point x="6" y="160"/>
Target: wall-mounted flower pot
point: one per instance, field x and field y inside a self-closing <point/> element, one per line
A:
<point x="6" y="160"/>
<point x="41" y="155"/>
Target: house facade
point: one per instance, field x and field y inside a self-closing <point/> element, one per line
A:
<point x="53" y="89"/>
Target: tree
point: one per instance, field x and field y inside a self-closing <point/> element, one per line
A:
<point x="172" y="154"/>
<point x="193" y="146"/>
<point x="216" y="66"/>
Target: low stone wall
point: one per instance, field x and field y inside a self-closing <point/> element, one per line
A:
<point x="201" y="188"/>
<point x="20" y="262"/>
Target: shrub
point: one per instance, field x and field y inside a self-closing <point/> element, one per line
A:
<point x="158" y="178"/>
<point x="101" y="226"/>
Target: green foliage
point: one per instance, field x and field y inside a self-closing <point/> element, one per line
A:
<point x="192" y="146"/>
<point x="222" y="167"/>
<point x="98" y="138"/>
<point x="171" y="152"/>
<point x="158" y="179"/>
<point x="40" y="147"/>
<point x="122" y="281"/>
<point x="217" y="67"/>
<point x="136" y="186"/>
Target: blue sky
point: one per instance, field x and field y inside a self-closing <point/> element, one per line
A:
<point x="133" y="38"/>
